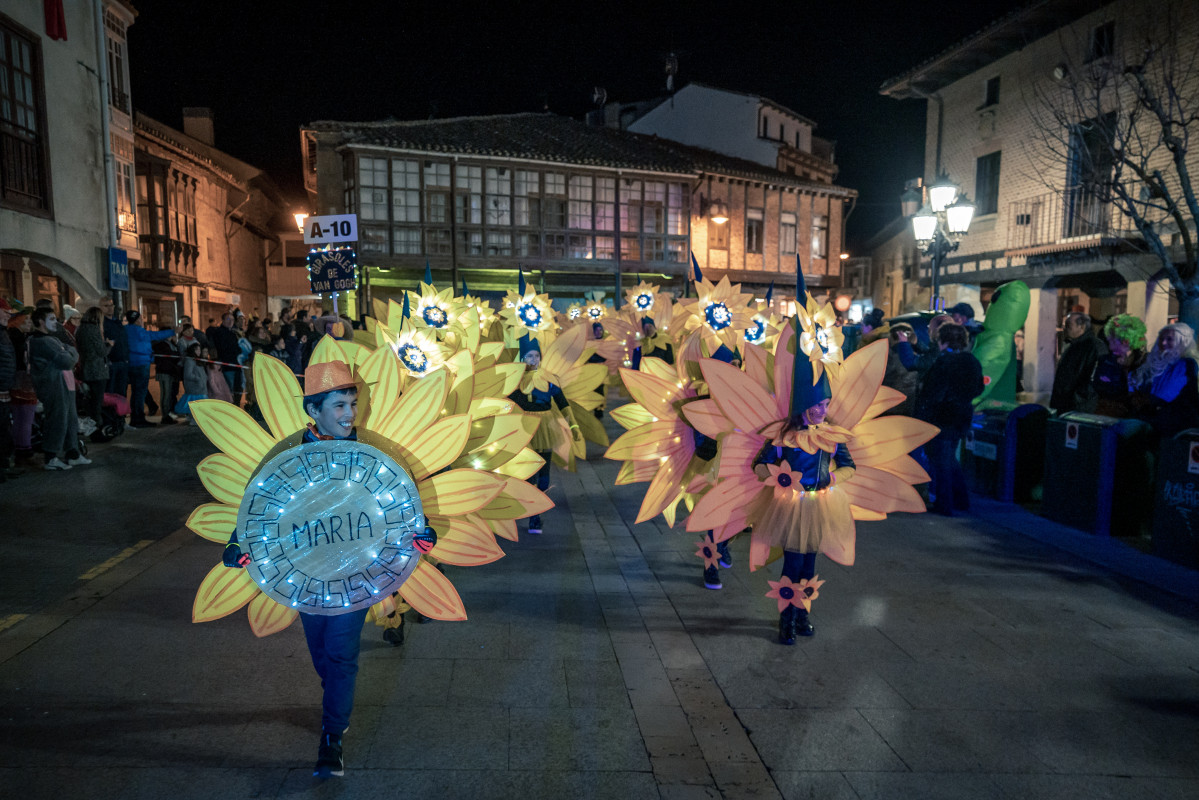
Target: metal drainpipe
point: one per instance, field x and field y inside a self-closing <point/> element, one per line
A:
<point x="110" y="181"/>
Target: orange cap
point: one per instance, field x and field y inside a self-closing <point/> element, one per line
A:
<point x="327" y="377"/>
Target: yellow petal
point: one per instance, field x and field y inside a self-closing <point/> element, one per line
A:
<point x="905" y="467"/>
<point x="878" y="441"/>
<point x="737" y="454"/>
<point x="706" y="417"/>
<point x="504" y="528"/>
<point x="720" y="502"/>
<point x="224" y="478"/>
<point x="636" y="472"/>
<point x="432" y="594"/>
<point x="518" y="500"/>
<point x="865" y="515"/>
<point x="232" y="430"/>
<point x="523" y="465"/>
<point x="466" y="542"/>
<point x="655" y="395"/>
<point x="380" y="370"/>
<point x="591" y="428"/>
<point x="421" y="404"/>
<point x="580" y="386"/>
<point x="631" y="415"/>
<point x="654" y="440"/>
<point x="222" y="592"/>
<point x="885" y="399"/>
<point x="500" y="380"/>
<point x="876" y="490"/>
<point x="566" y="350"/>
<point x="664" y="490"/>
<point x="280" y="398"/>
<point x="437" y="446"/>
<point x="856" y="383"/>
<point x="328" y="349"/>
<point x="749" y="406"/>
<point x="755" y="365"/>
<point x="214" y="521"/>
<point x="267" y="616"/>
<point x="459" y="491"/>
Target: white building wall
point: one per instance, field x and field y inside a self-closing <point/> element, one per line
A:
<point x="726" y="122"/>
<point x="72" y="242"/>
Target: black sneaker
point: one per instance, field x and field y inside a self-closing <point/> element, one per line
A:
<point x="328" y="757"/>
<point x="535" y="524"/>
<point x="394" y="636"/>
<point x="712" y="578"/>
<point x="803" y="625"/>
<point x="726" y="558"/>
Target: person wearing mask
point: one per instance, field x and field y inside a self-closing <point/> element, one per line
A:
<point x="1073" y="389"/>
<point x="118" y="353"/>
<point x="946" y="400"/>
<point x="1125" y="337"/>
<point x="1166" y="385"/>
<point x="141" y="353"/>
<point x="50" y="365"/>
<point x="93" y="360"/>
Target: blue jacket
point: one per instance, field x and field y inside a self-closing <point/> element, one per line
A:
<point x="141" y="344"/>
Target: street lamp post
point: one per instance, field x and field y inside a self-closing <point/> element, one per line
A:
<point x="939" y="227"/>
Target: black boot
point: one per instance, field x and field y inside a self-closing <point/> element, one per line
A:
<point x="787" y="626"/>
<point x="328" y="757"/>
<point x="395" y="636"/>
<point x="803" y="625"/>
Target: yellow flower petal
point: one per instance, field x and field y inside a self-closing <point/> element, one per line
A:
<point x="719" y="503"/>
<point x="459" y="491"/>
<point x="418" y="407"/>
<point x="631" y="415"/>
<point x="328" y="349"/>
<point x="878" y="441"/>
<point x="267" y="616"/>
<point x="232" y="430"/>
<point x="856" y="383"/>
<point x="876" y="490"/>
<point x="654" y="440"/>
<point x="747" y="405"/>
<point x="214" y="521"/>
<point x="519" y="499"/>
<point x="504" y="528"/>
<point x="432" y="594"/>
<point x="636" y="472"/>
<point x="467" y="542"/>
<point x="279" y="396"/>
<point x="523" y="465"/>
<point x="437" y="446"/>
<point x="737" y="454"/>
<point x="222" y="592"/>
<point x="706" y="417"/>
<point x="381" y="372"/>
<point x="224" y="478"/>
<point x="655" y="395"/>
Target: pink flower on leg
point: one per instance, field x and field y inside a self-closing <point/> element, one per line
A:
<point x="708" y="552"/>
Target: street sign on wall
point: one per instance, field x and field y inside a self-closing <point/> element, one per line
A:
<point x="118" y="269"/>
<point x="331" y="228"/>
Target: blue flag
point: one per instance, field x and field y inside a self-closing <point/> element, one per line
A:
<point x="698" y="276"/>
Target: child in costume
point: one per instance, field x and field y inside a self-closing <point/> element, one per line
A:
<point x="550" y="406"/>
<point x="331" y="399"/>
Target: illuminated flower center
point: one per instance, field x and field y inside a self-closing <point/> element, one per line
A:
<point x="644" y="301"/>
<point x="784" y="480"/>
<point x="595" y="312"/>
<point x="822" y="338"/>
<point x="413" y="358"/>
<point x="786" y="592"/>
<point x="718" y="316"/>
<point x="574" y="313"/>
<point x="757" y="333"/>
<point x="434" y="316"/>
<point x="529" y="314"/>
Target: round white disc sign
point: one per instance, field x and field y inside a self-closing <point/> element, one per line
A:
<point x="329" y="526"/>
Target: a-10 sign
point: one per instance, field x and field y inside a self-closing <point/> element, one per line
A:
<point x="331" y="228"/>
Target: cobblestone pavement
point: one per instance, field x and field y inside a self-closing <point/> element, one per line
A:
<point x="958" y="658"/>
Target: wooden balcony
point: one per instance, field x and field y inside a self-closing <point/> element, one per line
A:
<point x="1061" y="221"/>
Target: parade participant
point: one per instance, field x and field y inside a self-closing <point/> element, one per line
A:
<point x="539" y="396"/>
<point x="331" y="400"/>
<point x="994" y="345"/>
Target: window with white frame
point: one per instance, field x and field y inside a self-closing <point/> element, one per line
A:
<point x="605" y="248"/>
<point x="470" y="243"/>
<point x="654" y="208"/>
<point x="754" y="228"/>
<point x="24" y="169"/>
<point x="372" y="189"/>
<point x="787" y="233"/>
<point x="580" y="246"/>
<point x="605" y="205"/>
<point x="405" y="241"/>
<point x="676" y="209"/>
<point x="819" y="236"/>
<point x="499" y="243"/>
<point x="468" y="195"/>
<point x="437" y="241"/>
<point x="499" y="198"/>
<point x="405" y="191"/>
<point x="527" y="200"/>
<point x="437" y="193"/>
<point x="630" y="207"/>
<point x="553" y="205"/>
<point x="581" y="198"/>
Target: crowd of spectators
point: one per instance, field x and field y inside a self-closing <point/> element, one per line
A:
<point x="65" y="374"/>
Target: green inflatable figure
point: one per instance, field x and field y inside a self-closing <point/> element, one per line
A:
<point x="995" y="347"/>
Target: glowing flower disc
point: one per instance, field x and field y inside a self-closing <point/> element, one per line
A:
<point x="329" y="526"/>
<point x="644" y="301"/>
<point x="434" y="316"/>
<point x="718" y="316"/>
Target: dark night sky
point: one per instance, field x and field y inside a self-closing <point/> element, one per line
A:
<point x="265" y="68"/>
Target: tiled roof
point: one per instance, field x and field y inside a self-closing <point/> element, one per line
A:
<point x="555" y="139"/>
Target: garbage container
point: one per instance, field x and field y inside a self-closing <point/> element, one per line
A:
<point x="1176" y="500"/>
<point x="1080" y="467"/>
<point x="1003" y="454"/>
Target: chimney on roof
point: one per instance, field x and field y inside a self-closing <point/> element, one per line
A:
<point x="197" y="123"/>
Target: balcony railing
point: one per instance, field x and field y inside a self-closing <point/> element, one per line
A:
<point x="1060" y="217"/>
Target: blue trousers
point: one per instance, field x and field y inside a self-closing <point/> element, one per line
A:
<point x="798" y="566"/>
<point x="333" y="644"/>
<point x="139" y="378"/>
<point x="948" y="480"/>
<point x="118" y="378"/>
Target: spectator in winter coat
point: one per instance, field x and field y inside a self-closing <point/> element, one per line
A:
<point x="1166" y="385"/>
<point x="118" y="343"/>
<point x="140" y="355"/>
<point x="93" y="360"/>
<point x="50" y="364"/>
<point x="946" y="400"/>
<point x="1072" y="386"/>
<point x="167" y="371"/>
<point x="224" y="339"/>
<point x="897" y="376"/>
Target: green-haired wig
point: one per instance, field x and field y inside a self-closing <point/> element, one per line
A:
<point x="1127" y="329"/>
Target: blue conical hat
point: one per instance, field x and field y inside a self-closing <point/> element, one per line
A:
<point x="428" y="273"/>
<point x="804" y="392"/>
<point x="527" y="343"/>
